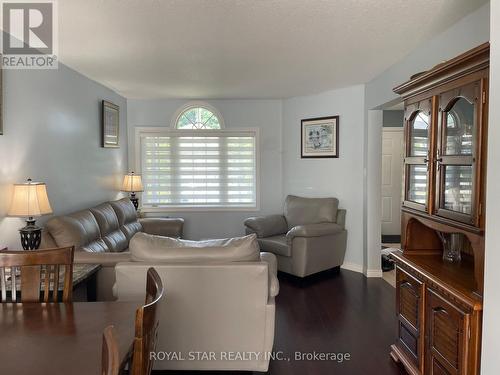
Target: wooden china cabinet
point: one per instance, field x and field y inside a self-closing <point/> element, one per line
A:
<point x="439" y="303"/>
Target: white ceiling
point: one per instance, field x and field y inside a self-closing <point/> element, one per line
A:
<point x="244" y="48"/>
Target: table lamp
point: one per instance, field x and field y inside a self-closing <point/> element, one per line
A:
<point x="30" y="200"/>
<point x="132" y="183"/>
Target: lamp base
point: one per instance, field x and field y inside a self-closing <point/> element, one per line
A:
<point x="31" y="235"/>
<point x="134" y="200"/>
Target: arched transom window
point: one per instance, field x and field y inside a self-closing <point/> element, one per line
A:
<point x="197" y="164"/>
<point x="198" y="117"/>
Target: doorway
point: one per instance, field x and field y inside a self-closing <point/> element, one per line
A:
<point x="391" y="186"/>
<point x="392" y="174"/>
<point x="392" y="181"/>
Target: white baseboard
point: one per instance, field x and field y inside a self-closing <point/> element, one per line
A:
<point x="359" y="268"/>
<point x="352" y="267"/>
<point x="373" y="273"/>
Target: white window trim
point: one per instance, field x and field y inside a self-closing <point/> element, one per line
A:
<point x="196" y="104"/>
<point x="166" y="130"/>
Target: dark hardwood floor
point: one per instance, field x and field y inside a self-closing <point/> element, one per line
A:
<point x="332" y="313"/>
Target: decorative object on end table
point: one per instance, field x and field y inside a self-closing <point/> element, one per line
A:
<point x="132" y="183"/>
<point x="30" y="200"/>
<point x="320" y="137"/>
<point x="110" y="125"/>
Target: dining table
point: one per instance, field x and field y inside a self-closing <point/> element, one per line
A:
<point x="62" y="338"/>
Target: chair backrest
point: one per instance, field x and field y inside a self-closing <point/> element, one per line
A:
<point x="110" y="354"/>
<point x="38" y="273"/>
<point x="301" y="211"/>
<point x="146" y="326"/>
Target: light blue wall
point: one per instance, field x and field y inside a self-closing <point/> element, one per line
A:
<point x="392" y="119"/>
<point x="282" y="170"/>
<point x="52" y="134"/>
<point x="262" y="114"/>
<point x="342" y="177"/>
<point x="467" y="33"/>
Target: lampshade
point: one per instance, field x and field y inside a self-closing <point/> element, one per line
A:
<point x="132" y="183"/>
<point x="30" y="199"/>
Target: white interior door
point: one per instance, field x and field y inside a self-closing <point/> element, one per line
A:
<point x="392" y="180"/>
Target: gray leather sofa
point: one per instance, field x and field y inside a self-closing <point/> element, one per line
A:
<point x="308" y="238"/>
<point x="101" y="235"/>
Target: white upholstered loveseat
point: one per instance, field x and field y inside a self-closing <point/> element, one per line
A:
<point x="218" y="312"/>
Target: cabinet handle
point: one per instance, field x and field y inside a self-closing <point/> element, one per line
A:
<point x="426" y="161"/>
<point x="440" y="310"/>
<point x="438" y="163"/>
<point x="406" y="283"/>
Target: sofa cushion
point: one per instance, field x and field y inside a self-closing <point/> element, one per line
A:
<point x="299" y="210"/>
<point x="109" y="227"/>
<point x="79" y="229"/>
<point x="163" y="226"/>
<point x="266" y="226"/>
<point x="314" y="230"/>
<point x="146" y="247"/>
<point x="276" y="245"/>
<point x="127" y="217"/>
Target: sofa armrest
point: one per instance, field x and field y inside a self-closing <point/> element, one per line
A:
<point x="313" y="230"/>
<point x="48" y="241"/>
<point x="106" y="259"/>
<point x="266" y="226"/>
<point x="272" y="263"/>
<point x="341" y="217"/>
<point x="167" y="227"/>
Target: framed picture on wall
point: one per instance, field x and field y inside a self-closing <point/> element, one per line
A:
<point x="110" y="124"/>
<point x="320" y="137"/>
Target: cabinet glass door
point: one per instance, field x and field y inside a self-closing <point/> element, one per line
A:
<point x="458" y="188"/>
<point x="418" y="185"/>
<point x="419" y="134"/>
<point x="459" y="128"/>
<point x="418" y="143"/>
<point x="456" y="154"/>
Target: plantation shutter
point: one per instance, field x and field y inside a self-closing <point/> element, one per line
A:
<point x="212" y="168"/>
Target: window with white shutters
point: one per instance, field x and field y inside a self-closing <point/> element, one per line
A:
<point x="198" y="168"/>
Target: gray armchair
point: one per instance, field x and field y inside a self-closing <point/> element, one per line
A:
<point x="310" y="237"/>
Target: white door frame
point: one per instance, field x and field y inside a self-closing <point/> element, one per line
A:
<point x="392" y="130"/>
<point x="373" y="195"/>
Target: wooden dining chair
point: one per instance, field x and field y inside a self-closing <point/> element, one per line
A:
<point x="37" y="273"/>
<point x="110" y="354"/>
<point x="146" y="326"/>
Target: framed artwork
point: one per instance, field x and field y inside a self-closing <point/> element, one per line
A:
<point x="320" y="137"/>
<point x="110" y="124"/>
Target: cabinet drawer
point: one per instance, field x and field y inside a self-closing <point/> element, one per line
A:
<point x="447" y="335"/>
<point x="409" y="293"/>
